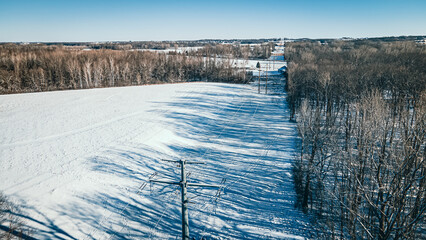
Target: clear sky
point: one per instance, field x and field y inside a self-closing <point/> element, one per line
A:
<point x="123" y="20"/>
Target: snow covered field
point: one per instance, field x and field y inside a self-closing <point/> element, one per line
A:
<point x="265" y="65"/>
<point x="77" y="162"/>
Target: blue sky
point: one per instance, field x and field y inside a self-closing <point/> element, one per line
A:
<point x="123" y="20"/>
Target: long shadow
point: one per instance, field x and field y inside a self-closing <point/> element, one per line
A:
<point x="246" y="140"/>
<point x="257" y="129"/>
<point x="17" y="234"/>
<point x="47" y="228"/>
<point x="246" y="143"/>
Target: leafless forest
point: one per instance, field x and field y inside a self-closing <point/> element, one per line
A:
<point x="259" y="51"/>
<point x="35" y="67"/>
<point x="360" y="107"/>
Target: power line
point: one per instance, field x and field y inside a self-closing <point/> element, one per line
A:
<point x="143" y="185"/>
<point x="219" y="191"/>
<point x="225" y="185"/>
<point x="206" y="152"/>
<point x="249" y="171"/>
<point x="184" y="184"/>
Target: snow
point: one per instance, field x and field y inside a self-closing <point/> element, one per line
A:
<point x="265" y="65"/>
<point x="272" y="64"/>
<point x="177" y="49"/>
<point x="78" y="162"/>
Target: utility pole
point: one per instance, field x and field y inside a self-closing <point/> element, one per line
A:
<point x="184" y="185"/>
<point x="273" y="61"/>
<point x="258" y="83"/>
<point x="266" y="87"/>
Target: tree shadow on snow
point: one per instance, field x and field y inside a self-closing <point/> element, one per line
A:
<point x="246" y="142"/>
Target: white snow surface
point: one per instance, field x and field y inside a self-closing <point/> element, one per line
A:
<point x="77" y="162"/>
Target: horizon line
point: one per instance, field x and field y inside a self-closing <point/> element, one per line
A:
<point x="218" y="39"/>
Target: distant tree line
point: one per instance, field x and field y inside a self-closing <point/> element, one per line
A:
<point x="28" y="68"/>
<point x="360" y="108"/>
<point x="255" y="51"/>
<point x="164" y="44"/>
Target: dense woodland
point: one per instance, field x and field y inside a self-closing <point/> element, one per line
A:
<point x="257" y="51"/>
<point x="35" y="67"/>
<point x="360" y="107"/>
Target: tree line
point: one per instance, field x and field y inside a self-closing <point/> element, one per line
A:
<point x="254" y="51"/>
<point x="35" y="67"/>
<point x="360" y="108"/>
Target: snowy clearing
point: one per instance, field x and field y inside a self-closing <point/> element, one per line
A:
<point x="76" y="162"/>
